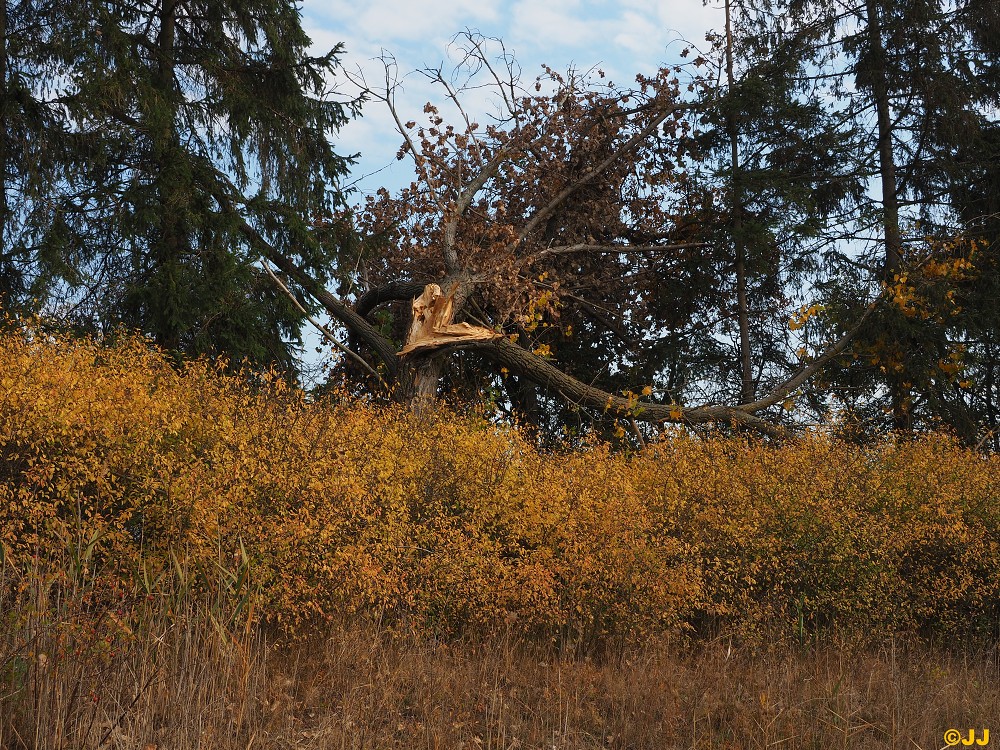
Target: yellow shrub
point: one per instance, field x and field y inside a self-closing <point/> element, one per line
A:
<point x="446" y="522"/>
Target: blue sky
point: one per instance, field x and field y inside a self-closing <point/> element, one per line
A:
<point x="622" y="38"/>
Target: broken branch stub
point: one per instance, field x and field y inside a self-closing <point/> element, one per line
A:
<point x="432" y="327"/>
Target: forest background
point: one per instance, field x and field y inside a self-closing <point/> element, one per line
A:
<point x="699" y="247"/>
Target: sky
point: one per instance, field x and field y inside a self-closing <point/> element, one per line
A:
<point x="622" y="38"/>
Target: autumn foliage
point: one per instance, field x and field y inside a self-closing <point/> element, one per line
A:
<point x="136" y="473"/>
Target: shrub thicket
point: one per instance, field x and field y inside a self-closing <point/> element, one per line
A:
<point x="132" y="470"/>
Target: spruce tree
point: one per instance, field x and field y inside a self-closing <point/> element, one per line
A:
<point x="205" y="116"/>
<point x="37" y="160"/>
<point x="780" y="166"/>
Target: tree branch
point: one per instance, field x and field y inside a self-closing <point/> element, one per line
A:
<point x="543" y="373"/>
<point x="465" y="197"/>
<point x="807" y="371"/>
<point x="327" y="334"/>
<point x="612" y="249"/>
<point x="394" y="291"/>
<point x="337" y="309"/>
<point x="546" y="211"/>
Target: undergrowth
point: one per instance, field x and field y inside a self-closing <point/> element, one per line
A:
<point x="179" y="543"/>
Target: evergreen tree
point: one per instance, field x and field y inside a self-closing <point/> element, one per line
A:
<point x="917" y="80"/>
<point x="206" y="117"/>
<point x="36" y="155"/>
<point x="782" y="167"/>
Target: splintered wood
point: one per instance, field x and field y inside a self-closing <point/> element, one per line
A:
<point x="432" y="326"/>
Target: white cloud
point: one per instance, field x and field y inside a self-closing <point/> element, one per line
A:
<point x="555" y="23"/>
<point x="384" y="23"/>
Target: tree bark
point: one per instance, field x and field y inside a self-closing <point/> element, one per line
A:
<point x="887" y="163"/>
<point x="417" y="380"/>
<point x="739" y="239"/>
<point x="395" y="291"/>
<point x="169" y="245"/>
<point x="541" y="372"/>
<point x="900" y="397"/>
<point x="339" y="311"/>
<point x="4" y="109"/>
<point x="431" y="331"/>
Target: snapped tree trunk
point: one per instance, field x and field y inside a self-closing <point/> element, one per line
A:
<point x="421" y="361"/>
<point x="417" y="380"/>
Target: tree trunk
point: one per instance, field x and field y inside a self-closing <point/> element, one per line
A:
<point x="4" y="111"/>
<point x="739" y="239"/>
<point x="417" y="380"/>
<point x="168" y="248"/>
<point x="900" y="396"/>
<point x="421" y="359"/>
<point x="887" y="163"/>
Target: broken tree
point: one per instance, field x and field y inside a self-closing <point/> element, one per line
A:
<point x="566" y="248"/>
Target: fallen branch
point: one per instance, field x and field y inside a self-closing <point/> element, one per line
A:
<point x="327" y="334"/>
<point x="337" y="309"/>
<point x="540" y="371"/>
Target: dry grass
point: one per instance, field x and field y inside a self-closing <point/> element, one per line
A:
<point x="182" y="679"/>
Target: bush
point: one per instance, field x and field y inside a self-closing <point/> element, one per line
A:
<point x="448" y="523"/>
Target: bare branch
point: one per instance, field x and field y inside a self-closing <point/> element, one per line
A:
<point x="337" y="309"/>
<point x="476" y="40"/>
<point x="391" y="84"/>
<point x="462" y="204"/>
<point x="437" y="76"/>
<point x="540" y="371"/>
<point x="327" y="334"/>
